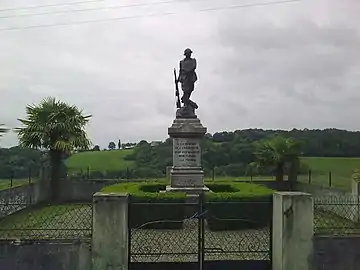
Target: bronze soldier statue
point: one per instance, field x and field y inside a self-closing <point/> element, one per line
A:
<point x="187" y="78"/>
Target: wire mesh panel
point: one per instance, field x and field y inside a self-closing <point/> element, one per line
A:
<point x="64" y="221"/>
<point x="337" y="215"/>
<point x="238" y="231"/>
<point x="167" y="232"/>
<point x="199" y="235"/>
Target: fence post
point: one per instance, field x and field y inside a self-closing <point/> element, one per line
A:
<point x="168" y="169"/>
<point x="309" y="176"/>
<point x="355" y="190"/>
<point x="29" y="175"/>
<point x="330" y="179"/>
<point x="292" y="236"/>
<point x="11" y="178"/>
<point x="110" y="231"/>
<point x="88" y="173"/>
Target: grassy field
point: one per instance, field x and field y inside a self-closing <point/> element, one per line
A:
<point x="100" y="161"/>
<point x="337" y="166"/>
<point x="341" y="170"/>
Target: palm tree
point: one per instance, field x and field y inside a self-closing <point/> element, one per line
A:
<point x="277" y="151"/>
<point x="3" y="130"/>
<point x="57" y="127"/>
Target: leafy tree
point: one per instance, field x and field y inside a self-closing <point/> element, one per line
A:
<point x="57" y="127"/>
<point x="3" y="130"/>
<point x="96" y="148"/>
<point x="277" y="151"/>
<point x="111" y="146"/>
<point x="119" y="144"/>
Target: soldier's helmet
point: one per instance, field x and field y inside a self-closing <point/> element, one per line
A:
<point x="188" y="51"/>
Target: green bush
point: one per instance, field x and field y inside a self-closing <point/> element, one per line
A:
<point x="151" y="209"/>
<point x="236" y="205"/>
<point x="147" y="173"/>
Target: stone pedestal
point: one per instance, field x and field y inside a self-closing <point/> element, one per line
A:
<point x="186" y="174"/>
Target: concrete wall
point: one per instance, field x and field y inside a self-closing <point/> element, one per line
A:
<point x="318" y="191"/>
<point x="45" y="255"/>
<point x="31" y="193"/>
<point x="17" y="198"/>
<point x="337" y="253"/>
<point x="82" y="190"/>
<point x="39" y="192"/>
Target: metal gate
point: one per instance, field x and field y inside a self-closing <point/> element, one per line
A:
<point x="201" y="236"/>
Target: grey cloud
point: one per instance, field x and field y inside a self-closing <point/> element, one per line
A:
<point x="278" y="66"/>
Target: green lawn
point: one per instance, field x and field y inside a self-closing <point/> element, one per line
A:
<point x="5" y="183"/>
<point x="326" y="222"/>
<point x="100" y="161"/>
<point x="65" y="221"/>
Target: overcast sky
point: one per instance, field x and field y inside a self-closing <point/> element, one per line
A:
<point x="291" y="65"/>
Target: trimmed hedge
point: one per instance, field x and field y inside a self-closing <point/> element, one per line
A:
<point x="248" y="206"/>
<point x="150" y="209"/>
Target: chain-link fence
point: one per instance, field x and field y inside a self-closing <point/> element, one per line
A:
<point x="57" y="221"/>
<point x="337" y="215"/>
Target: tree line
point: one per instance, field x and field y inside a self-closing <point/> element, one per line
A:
<point x="58" y="129"/>
<point x="224" y="153"/>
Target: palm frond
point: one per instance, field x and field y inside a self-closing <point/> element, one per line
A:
<point x="54" y="125"/>
<point x="277" y="150"/>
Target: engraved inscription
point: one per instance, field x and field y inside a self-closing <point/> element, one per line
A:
<point x="187" y="153"/>
<point x="187" y="181"/>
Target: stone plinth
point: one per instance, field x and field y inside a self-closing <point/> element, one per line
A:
<point x="187" y="174"/>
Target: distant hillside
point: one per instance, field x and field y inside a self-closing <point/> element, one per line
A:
<point x="229" y="153"/>
<point x="100" y="161"/>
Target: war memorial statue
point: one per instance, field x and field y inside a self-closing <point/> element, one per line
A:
<point x="186" y="131"/>
<point x="187" y="78"/>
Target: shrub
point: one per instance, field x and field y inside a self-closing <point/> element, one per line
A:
<point x="151" y="209"/>
<point x="147" y="173"/>
<point x="235" y="169"/>
<point x="95" y="175"/>
<point x="236" y="205"/>
<point x="115" y="174"/>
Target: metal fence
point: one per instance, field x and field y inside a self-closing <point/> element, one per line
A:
<point x="46" y="221"/>
<point x="337" y="215"/>
<point x="200" y="233"/>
